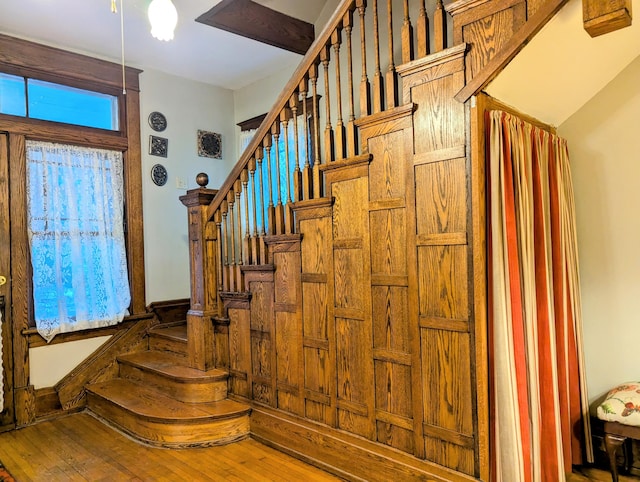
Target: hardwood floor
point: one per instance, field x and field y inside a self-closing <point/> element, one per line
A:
<point x="78" y="447"/>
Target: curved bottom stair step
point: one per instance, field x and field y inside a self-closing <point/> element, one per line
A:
<point x="169" y="373"/>
<point x="158" y="419"/>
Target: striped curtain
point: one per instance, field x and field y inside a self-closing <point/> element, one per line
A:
<point x="539" y="406"/>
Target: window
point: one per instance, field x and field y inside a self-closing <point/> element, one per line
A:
<point x="37" y="99"/>
<point x="75" y="203"/>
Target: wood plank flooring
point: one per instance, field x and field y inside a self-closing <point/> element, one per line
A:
<point x="80" y="448"/>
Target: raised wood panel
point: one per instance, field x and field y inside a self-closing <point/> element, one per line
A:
<point x="440" y="117"/>
<point x="349" y="220"/>
<point x="289" y="362"/>
<point x="315" y="245"/>
<point x="386" y="172"/>
<point x="391" y="319"/>
<point x="490" y="34"/>
<point x="388" y="252"/>
<point x="349" y="272"/>
<point x="354" y="385"/>
<point x="533" y="6"/>
<point x="443" y="282"/>
<point x="316" y="310"/>
<point x="441" y="198"/>
<point x="286" y="277"/>
<point x="446" y="380"/>
<point x="261" y="305"/>
<point x="239" y="352"/>
<point x="317" y="374"/>
<point x="447" y="394"/>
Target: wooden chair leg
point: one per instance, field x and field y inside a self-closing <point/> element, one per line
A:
<point x="612" y="443"/>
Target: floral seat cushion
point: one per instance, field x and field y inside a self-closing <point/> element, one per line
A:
<point x="622" y="405"/>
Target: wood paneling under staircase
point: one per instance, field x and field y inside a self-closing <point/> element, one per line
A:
<point x="159" y="399"/>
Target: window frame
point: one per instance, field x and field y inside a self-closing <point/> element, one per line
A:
<point x="32" y="60"/>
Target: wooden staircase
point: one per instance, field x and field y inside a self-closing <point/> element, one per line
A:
<point x="160" y="400"/>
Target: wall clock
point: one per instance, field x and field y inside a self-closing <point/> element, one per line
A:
<point x="159" y="175"/>
<point x="209" y="144"/>
<point x="157" y="121"/>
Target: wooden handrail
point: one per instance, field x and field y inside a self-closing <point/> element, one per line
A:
<point x="281" y="102"/>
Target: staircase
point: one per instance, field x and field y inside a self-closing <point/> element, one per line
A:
<point x="160" y="400"/>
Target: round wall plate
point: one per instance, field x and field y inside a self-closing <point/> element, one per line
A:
<point x="157" y="121"/>
<point x="159" y="175"/>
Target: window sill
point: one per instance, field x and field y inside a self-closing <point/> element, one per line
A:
<point x="35" y="340"/>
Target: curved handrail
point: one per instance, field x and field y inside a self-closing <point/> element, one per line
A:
<point x="311" y="58"/>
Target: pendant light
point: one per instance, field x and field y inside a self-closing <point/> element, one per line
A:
<point x="163" y="17"/>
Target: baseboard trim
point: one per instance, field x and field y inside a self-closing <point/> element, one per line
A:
<point x="341" y="453"/>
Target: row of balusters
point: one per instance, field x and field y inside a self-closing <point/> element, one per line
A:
<point x="311" y="130"/>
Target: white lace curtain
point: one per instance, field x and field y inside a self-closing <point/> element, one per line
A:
<point x="76" y="237"/>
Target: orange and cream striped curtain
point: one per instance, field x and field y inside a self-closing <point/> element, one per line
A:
<point x="539" y="406"/>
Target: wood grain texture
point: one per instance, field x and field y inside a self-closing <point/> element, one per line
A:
<point x="239" y="352"/>
<point x="487" y="36"/>
<point x="604" y="17"/>
<point x="7" y="415"/>
<point x="101" y="365"/>
<point x="441" y="197"/>
<point x="347" y="456"/>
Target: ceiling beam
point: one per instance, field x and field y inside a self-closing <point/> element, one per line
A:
<point x="257" y="22"/>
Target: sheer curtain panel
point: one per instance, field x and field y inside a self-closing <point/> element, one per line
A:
<point x="76" y="237"/>
<point x="538" y="399"/>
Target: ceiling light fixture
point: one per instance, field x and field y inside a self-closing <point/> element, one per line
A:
<point x="164" y="18"/>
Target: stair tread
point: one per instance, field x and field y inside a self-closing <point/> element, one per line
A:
<point x="178" y="332"/>
<point x="152" y="404"/>
<point x="171" y="365"/>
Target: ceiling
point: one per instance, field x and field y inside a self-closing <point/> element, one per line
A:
<point x="198" y="52"/>
<point x="570" y="66"/>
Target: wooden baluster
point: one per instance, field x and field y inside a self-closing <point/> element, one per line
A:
<point x="392" y="78"/>
<point x="297" y="188"/>
<point x="317" y="185"/>
<point x="270" y="223"/>
<point x="232" y="241"/>
<point x="224" y="208"/>
<point x="262" y="258"/>
<point x="423" y="31"/>
<point x="254" y="235"/>
<point x="378" y="87"/>
<point x="217" y="218"/>
<point x="237" y="187"/>
<point x="287" y="213"/>
<point x="306" y="170"/>
<point x="328" y="129"/>
<point x="247" y="228"/>
<point x="336" y="40"/>
<point x="407" y="35"/>
<point x="439" y="28"/>
<point x="365" y="88"/>
<point x="347" y="22"/>
<point x="279" y="210"/>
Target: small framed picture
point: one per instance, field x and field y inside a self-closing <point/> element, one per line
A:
<point x="209" y="144"/>
<point x="158" y="146"/>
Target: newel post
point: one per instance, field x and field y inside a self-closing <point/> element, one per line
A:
<point x="200" y="334"/>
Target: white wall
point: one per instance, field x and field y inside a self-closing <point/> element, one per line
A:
<point x="188" y="106"/>
<point x="604" y="145"/>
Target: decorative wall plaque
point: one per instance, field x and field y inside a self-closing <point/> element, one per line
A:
<point x="157" y="121"/>
<point x="159" y="175"/>
<point x="158" y="146"/>
<point x="209" y="144"/>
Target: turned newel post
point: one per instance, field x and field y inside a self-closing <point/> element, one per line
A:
<point x="200" y="335"/>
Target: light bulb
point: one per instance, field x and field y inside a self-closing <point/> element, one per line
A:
<point x="163" y="17"/>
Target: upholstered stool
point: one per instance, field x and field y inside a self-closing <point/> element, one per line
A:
<point x="621" y="414"/>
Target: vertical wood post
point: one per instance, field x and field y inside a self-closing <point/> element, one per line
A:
<point x="200" y="336"/>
